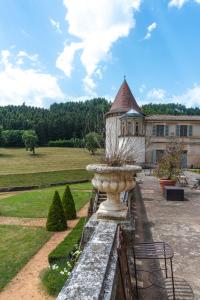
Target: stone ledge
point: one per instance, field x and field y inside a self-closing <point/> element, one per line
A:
<point x="96" y="275"/>
<point x="89" y="274"/>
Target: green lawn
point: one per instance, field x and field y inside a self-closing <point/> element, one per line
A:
<point x="17" y="245"/>
<point x="36" y="203"/>
<point x="43" y="178"/>
<point x="19" y="161"/>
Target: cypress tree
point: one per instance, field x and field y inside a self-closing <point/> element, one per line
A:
<point x="68" y="204"/>
<point x="56" y="217"/>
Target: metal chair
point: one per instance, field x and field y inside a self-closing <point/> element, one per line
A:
<point x="154" y="251"/>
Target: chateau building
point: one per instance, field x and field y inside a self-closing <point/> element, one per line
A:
<point x="149" y="135"/>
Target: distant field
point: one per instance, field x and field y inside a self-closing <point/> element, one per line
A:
<point x="50" y="165"/>
<point x="43" y="178"/>
<point x="19" y="161"/>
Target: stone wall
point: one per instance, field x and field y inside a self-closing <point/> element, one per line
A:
<point x="96" y="274"/>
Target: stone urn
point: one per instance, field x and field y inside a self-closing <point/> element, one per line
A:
<point x="113" y="181"/>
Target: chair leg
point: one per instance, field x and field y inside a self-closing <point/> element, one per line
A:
<point x="136" y="282"/>
<point x="173" y="287"/>
<point x="165" y="262"/>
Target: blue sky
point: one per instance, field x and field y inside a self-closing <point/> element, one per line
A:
<point x="59" y="50"/>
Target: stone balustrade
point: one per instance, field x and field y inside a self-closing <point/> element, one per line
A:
<point x="95" y="275"/>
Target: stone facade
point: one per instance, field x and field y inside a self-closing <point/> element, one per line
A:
<point x="187" y="131"/>
<point x="148" y="136"/>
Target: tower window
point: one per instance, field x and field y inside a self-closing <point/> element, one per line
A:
<point x="136" y="129"/>
<point x="130" y="128"/>
<point x="122" y="128"/>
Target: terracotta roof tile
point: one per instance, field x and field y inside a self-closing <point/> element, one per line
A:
<point x="124" y="100"/>
<point x="172" y="118"/>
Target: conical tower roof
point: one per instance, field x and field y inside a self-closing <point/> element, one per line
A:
<point x="124" y="101"/>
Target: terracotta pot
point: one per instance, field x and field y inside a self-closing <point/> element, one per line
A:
<point x="167" y="182"/>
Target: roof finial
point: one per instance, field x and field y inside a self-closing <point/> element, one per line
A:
<point x="124" y="77"/>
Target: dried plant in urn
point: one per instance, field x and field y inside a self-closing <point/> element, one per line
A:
<point x="114" y="176"/>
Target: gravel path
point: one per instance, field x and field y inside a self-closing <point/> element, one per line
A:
<point x="26" y="285"/>
<point x="4" y="195"/>
<point x="39" y="222"/>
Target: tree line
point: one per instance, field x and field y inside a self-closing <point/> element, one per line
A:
<point x="61" y="121"/>
<point x="67" y="121"/>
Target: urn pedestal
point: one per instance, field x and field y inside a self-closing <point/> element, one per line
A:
<point x="113" y="181"/>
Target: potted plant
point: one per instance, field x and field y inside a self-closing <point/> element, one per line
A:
<point x="168" y="167"/>
<point x="114" y="176"/>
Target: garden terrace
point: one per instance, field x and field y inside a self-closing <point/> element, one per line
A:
<point x="177" y="223"/>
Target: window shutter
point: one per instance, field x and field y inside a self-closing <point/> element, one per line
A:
<point x="177" y="130"/>
<point x="154" y="130"/>
<point x="190" y="130"/>
<point x="154" y="156"/>
<point x="166" y="130"/>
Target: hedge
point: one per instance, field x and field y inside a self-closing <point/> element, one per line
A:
<point x="63" y="250"/>
<point x="68" y="204"/>
<point x="72" y="143"/>
<point x="56" y="217"/>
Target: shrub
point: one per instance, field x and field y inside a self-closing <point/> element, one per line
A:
<point x="12" y="138"/>
<point x="56" y="217"/>
<point x="63" y="250"/>
<point x="93" y="141"/>
<point x="55" y="276"/>
<point x="53" y="280"/>
<point x="72" y="143"/>
<point x="68" y="204"/>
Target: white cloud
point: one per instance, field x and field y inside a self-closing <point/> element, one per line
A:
<point x="191" y="97"/>
<point x="97" y="24"/>
<point x="150" y="28"/>
<point x="142" y="88"/>
<point x="65" y="59"/>
<point x="25" y="84"/>
<point x="22" y="54"/>
<point x="56" y="24"/>
<point x="156" y="94"/>
<point x="180" y="3"/>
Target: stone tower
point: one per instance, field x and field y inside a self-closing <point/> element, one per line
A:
<point x="125" y="125"/>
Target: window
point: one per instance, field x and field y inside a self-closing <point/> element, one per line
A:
<point x="122" y="128"/>
<point x="159" y="155"/>
<point x="183" y="130"/>
<point x="160" y="130"/>
<point x="136" y="129"/>
<point x="130" y="128"/>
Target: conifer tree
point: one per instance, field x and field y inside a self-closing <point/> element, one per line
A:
<point x="56" y="220"/>
<point x="68" y="204"/>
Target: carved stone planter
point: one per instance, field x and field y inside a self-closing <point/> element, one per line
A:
<point x="113" y="181"/>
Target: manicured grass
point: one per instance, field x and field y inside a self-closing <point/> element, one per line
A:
<point x="43" y="178"/>
<point x="81" y="186"/>
<point x="35" y="204"/>
<point x="19" y="161"/>
<point x="17" y="245"/>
